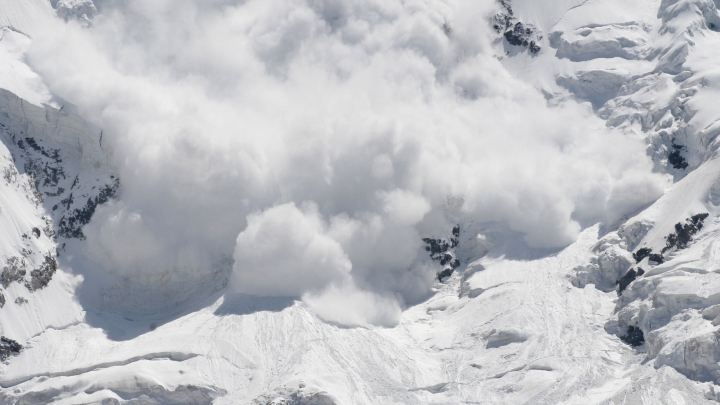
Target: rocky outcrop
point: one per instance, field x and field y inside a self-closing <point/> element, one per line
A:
<point x="40" y="277"/>
<point x="516" y="33"/>
<point x="628" y="278"/>
<point x="684" y="232"/>
<point x="442" y="251"/>
<point x="634" y="336"/>
<point x="57" y="164"/>
<point x="8" y="347"/>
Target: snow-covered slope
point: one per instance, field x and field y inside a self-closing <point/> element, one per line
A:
<point x="505" y="323"/>
<point x="25" y="16"/>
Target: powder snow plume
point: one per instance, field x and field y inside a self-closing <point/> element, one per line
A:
<point x="311" y="141"/>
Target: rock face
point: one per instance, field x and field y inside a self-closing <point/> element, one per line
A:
<point x="634" y="336"/>
<point x="641" y="254"/>
<point x="628" y="278"/>
<point x="675" y="159"/>
<point x="40" y="277"/>
<point x="8" y="347"/>
<point x="684" y="232"/>
<point x="515" y="32"/>
<point x="442" y="251"/>
<point x="54" y="161"/>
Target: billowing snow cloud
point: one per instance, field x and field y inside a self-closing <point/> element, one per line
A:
<point x="311" y="139"/>
<point x="286" y="252"/>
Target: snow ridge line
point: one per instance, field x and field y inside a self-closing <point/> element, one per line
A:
<point x="173" y="356"/>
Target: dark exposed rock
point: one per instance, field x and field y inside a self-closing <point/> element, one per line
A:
<point x="2" y="300"/>
<point x="684" y="232"/>
<point x="40" y="277"/>
<point x="676" y="159"/>
<point x="521" y="35"/>
<point x="436" y="247"/>
<point x="502" y="21"/>
<point x="14" y="270"/>
<point x="8" y="347"/>
<point x="445" y="273"/>
<point x="21" y="301"/>
<point x="628" y="278"/>
<point x="36" y="232"/>
<point x="45" y="167"/>
<point x="446" y="258"/>
<point x="70" y="225"/>
<point x="440" y="251"/>
<point x="515" y="33"/>
<point x="641" y="254"/>
<point x="656" y="258"/>
<point x="634" y="336"/>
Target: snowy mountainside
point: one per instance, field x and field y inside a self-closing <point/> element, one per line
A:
<point x="54" y="176"/>
<point x="627" y="314"/>
<point x="669" y="103"/>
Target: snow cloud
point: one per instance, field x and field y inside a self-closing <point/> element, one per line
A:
<point x="285" y="251"/>
<point x="311" y="140"/>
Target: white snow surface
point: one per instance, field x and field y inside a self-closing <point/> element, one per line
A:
<point x="25" y="16"/>
<point x="511" y="326"/>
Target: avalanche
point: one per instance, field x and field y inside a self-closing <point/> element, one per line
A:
<point x="626" y="311"/>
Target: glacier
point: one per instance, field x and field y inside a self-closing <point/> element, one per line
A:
<point x="625" y="310"/>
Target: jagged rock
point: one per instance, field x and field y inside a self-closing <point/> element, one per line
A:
<point x="634" y="336"/>
<point x="641" y="254"/>
<point x="8" y="347"/>
<point x="2" y="300"/>
<point x="516" y="33"/>
<point x="684" y="232"/>
<point x="36" y="232"/>
<point x="628" y="278"/>
<point x="676" y="159"/>
<point x="440" y="251"/>
<point x="445" y="274"/>
<point x="70" y="226"/>
<point x="21" y="301"/>
<point x="521" y="35"/>
<point x="14" y="270"/>
<point x="656" y="258"/>
<point x="68" y="169"/>
<point x="436" y="247"/>
<point x="41" y="276"/>
<point x="503" y="21"/>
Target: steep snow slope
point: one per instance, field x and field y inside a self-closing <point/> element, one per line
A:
<point x="515" y="325"/>
<point x="25" y="16"/>
<point x="671" y="104"/>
